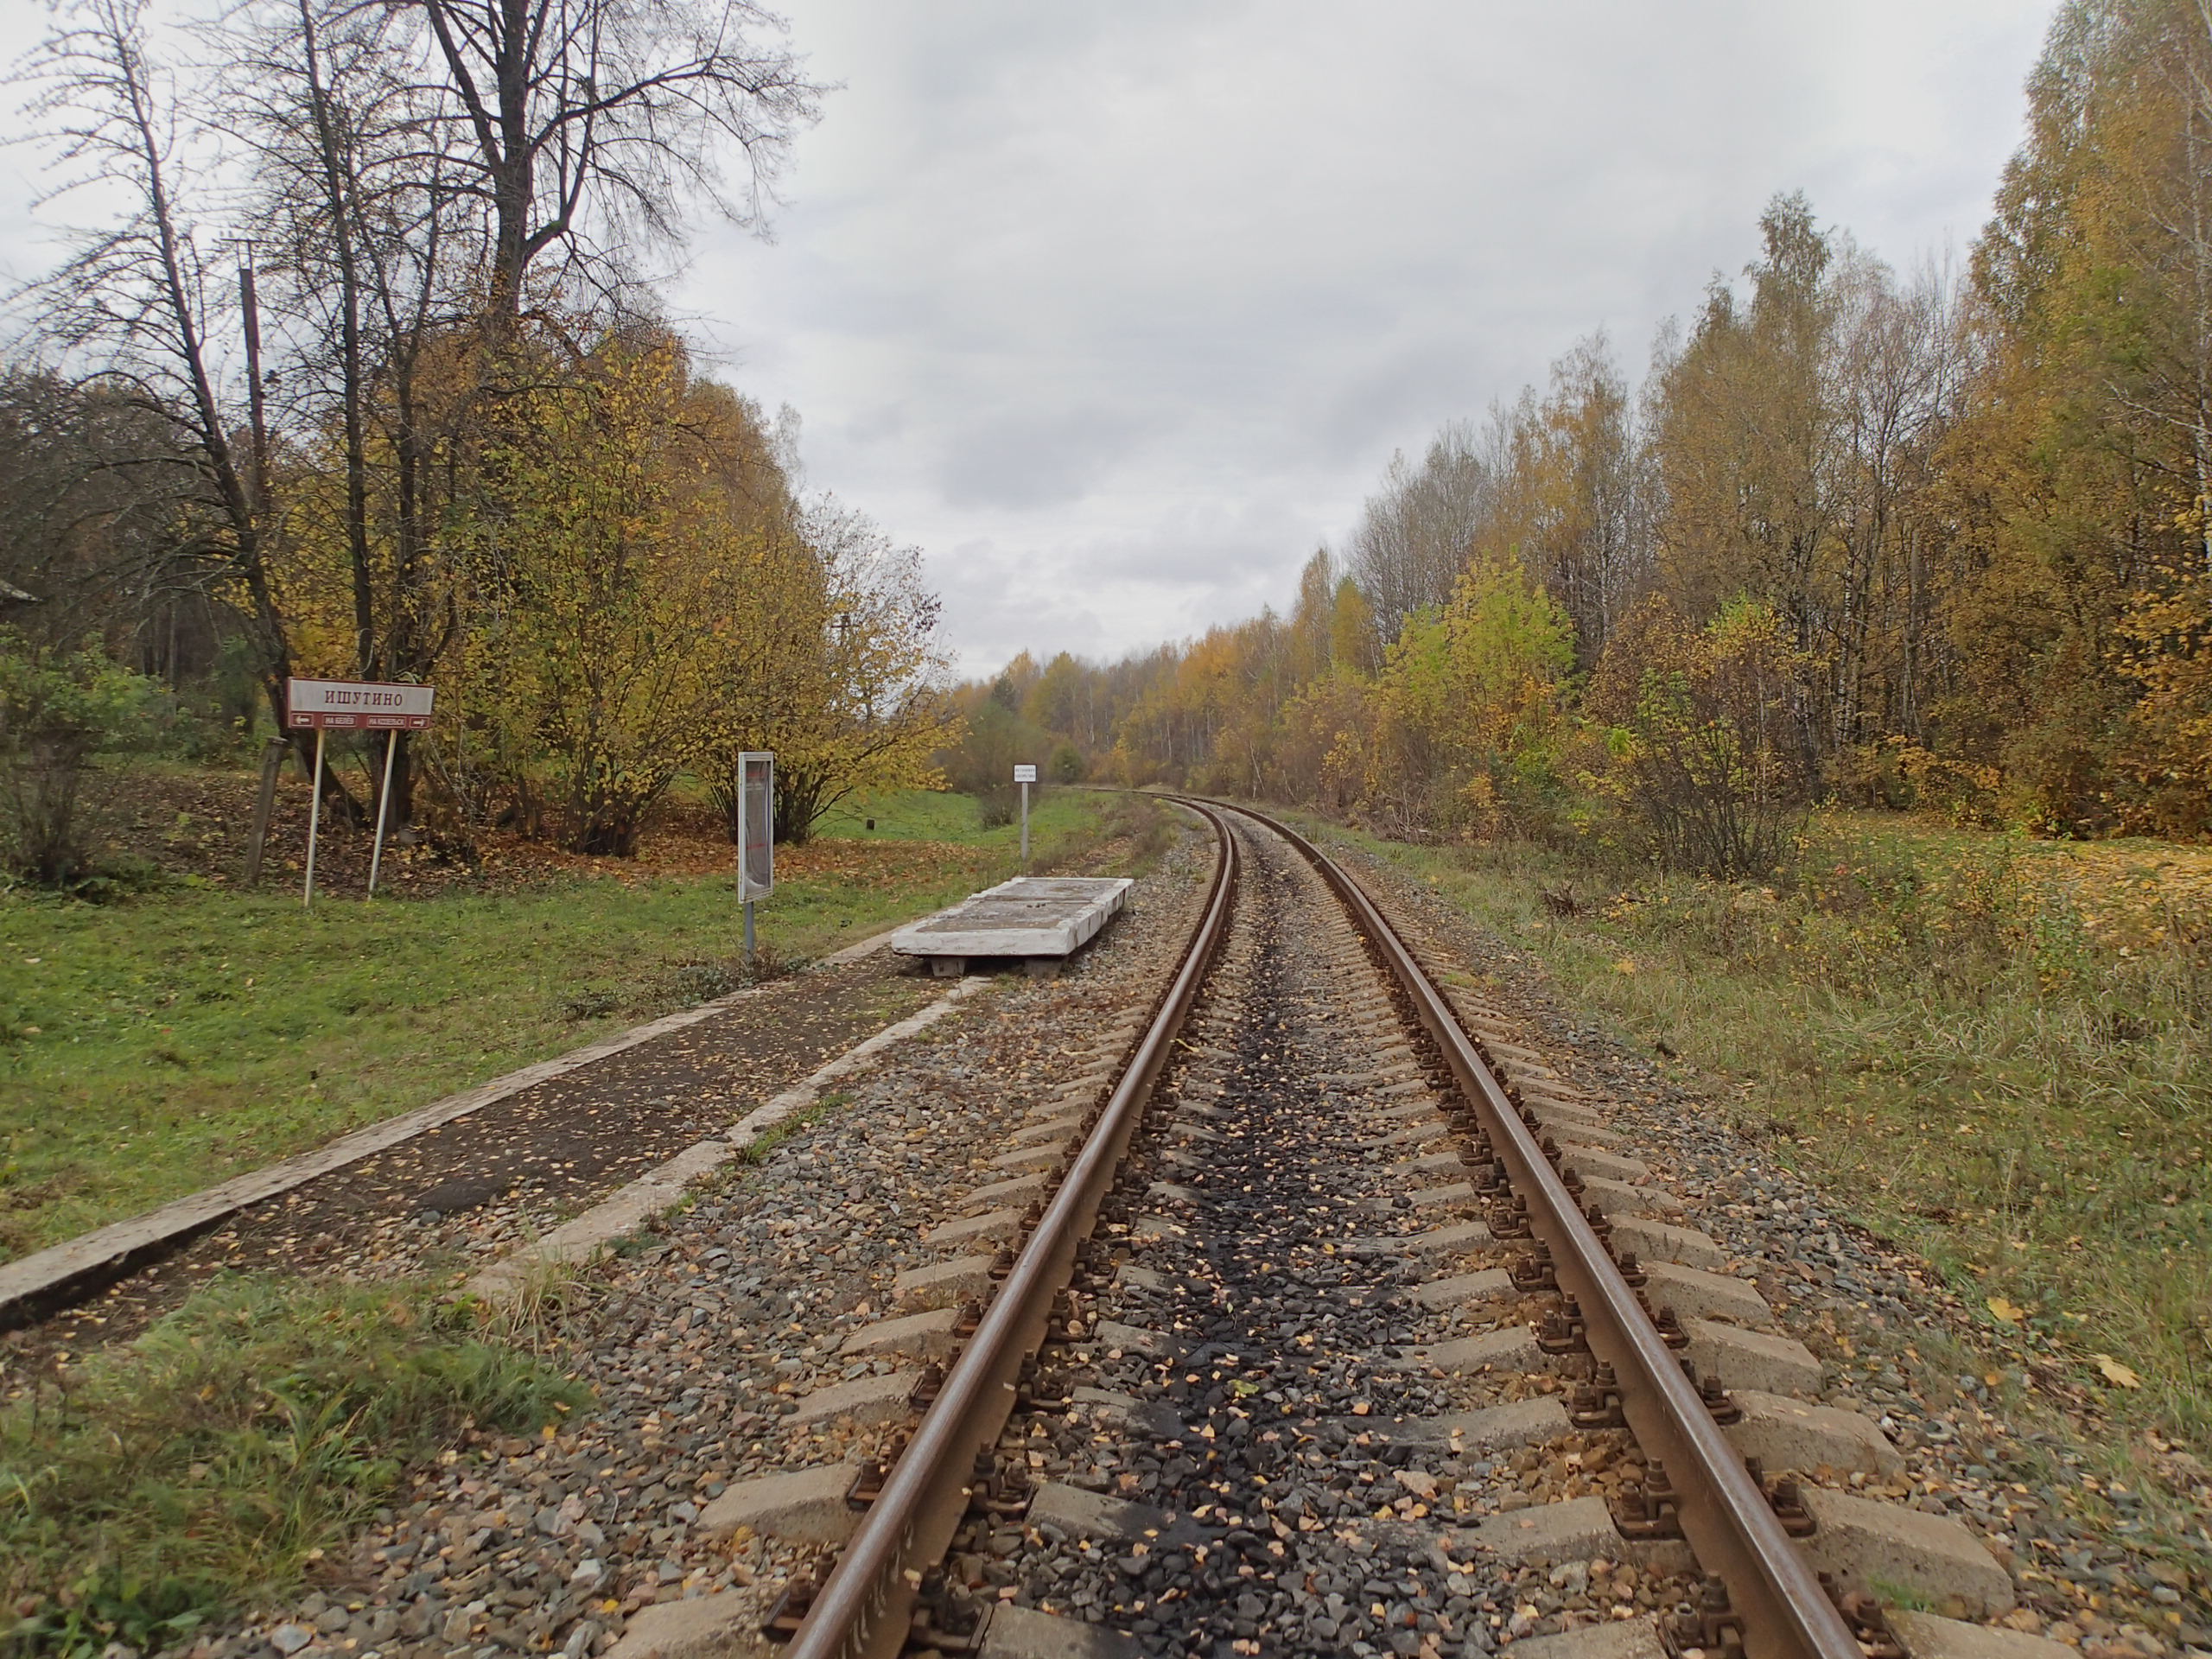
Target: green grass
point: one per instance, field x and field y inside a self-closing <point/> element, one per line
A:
<point x="198" y="1470"/>
<point x="941" y="816"/>
<point x="1923" y="1021"/>
<point x="152" y="1047"/>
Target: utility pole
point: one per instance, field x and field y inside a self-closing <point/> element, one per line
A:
<point x="256" y="399"/>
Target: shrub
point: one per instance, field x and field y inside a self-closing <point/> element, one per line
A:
<point x="1700" y="747"/>
<point x="60" y="714"/>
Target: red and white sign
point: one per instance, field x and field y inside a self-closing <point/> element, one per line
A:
<point x="356" y="705"/>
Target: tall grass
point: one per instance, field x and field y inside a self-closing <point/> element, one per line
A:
<point x="163" y="1484"/>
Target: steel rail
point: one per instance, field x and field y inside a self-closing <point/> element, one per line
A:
<point x="865" y="1605"/>
<point x="1730" y="1526"/>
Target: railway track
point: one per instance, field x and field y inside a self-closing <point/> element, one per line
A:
<point x="1345" y="1327"/>
<point x="1256" y="1288"/>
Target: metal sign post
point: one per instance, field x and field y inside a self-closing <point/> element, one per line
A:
<point x="314" y="818"/>
<point x="756" y="834"/>
<point x="383" y="802"/>
<point x="1025" y="776"/>
<point x="322" y="706"/>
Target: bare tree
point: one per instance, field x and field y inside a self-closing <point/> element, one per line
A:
<point x="590" y="123"/>
<point x="137" y="299"/>
<point x="1413" y="533"/>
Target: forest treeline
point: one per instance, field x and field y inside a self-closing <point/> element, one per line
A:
<point x="1909" y="540"/>
<point x="360" y="374"/>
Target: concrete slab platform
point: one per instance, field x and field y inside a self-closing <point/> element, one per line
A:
<point x="1620" y="1199"/>
<point x="1020" y="1189"/>
<point x="1588" y="1160"/>
<point x="1029" y="916"/>
<point x="968" y="1231"/>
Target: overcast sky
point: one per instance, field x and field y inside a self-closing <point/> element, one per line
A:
<point x="1118" y="310"/>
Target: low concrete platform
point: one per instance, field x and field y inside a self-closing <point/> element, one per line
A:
<point x="1042" y="918"/>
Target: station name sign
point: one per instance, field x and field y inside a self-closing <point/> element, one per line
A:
<point x="356" y="705"/>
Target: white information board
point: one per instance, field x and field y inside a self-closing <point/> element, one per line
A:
<point x="756" y="825"/>
<point x="1025" y="774"/>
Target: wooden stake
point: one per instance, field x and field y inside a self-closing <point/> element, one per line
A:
<point x="265" y="804"/>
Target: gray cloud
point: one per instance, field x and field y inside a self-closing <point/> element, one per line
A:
<point x="1118" y="311"/>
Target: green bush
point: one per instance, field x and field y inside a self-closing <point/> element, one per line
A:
<point x="60" y="714"/>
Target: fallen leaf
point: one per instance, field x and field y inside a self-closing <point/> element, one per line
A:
<point x="2010" y="1312"/>
<point x="2115" y="1372"/>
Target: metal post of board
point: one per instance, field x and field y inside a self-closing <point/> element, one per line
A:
<point x="383" y="799"/>
<point x="265" y="804"/>
<point x="314" y="818"/>
<point x="756" y="838"/>
<point x="1025" y="776"/>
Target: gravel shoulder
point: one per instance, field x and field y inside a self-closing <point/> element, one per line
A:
<point x="456" y="1195"/>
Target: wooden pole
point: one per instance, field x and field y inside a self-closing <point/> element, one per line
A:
<point x="265" y="804"/>
<point x="314" y="819"/>
<point x="383" y="799"/>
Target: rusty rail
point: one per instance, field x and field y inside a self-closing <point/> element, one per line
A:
<point x="1786" y="1613"/>
<point x="864" y="1610"/>
<point x="865" y="1606"/>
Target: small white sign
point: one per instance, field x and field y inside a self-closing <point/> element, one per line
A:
<point x="356" y="705"/>
<point x="756" y="824"/>
<point x="1025" y="774"/>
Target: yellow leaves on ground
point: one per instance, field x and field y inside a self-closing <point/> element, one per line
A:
<point x="2010" y="1312"/>
<point x="2118" y="1375"/>
<point x="2128" y="897"/>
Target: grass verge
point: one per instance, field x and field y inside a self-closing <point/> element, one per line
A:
<point x="153" y="1046"/>
<point x="1950" y="1031"/>
<point x="197" y="1471"/>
